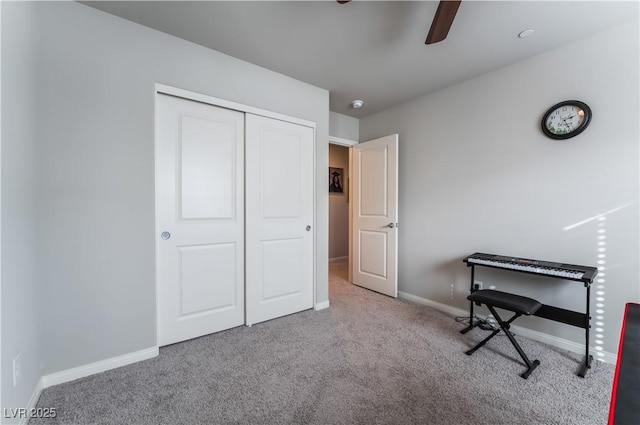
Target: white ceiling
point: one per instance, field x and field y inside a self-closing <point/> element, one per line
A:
<point x="374" y="50"/>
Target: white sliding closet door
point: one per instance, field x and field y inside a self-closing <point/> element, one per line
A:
<point x="199" y="219"/>
<point x="279" y="217"/>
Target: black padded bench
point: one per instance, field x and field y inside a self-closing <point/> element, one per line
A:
<point x="519" y="305"/>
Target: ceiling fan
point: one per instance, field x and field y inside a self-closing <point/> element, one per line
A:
<point x="442" y="21"/>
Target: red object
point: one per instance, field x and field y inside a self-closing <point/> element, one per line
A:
<point x="626" y="381"/>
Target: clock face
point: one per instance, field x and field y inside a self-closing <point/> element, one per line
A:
<point x="566" y="119"/>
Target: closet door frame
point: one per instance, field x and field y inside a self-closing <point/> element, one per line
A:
<point x="223" y="103"/>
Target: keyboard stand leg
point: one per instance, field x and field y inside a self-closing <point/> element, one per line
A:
<point x="471" y="323"/>
<point x="468" y="328"/>
<point x="586" y="364"/>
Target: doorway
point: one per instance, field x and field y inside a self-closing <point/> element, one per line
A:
<point x="339" y="210"/>
<point x="363" y="212"/>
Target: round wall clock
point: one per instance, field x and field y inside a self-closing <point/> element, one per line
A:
<point x="566" y="119"/>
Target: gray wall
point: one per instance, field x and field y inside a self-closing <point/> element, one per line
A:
<point x="344" y="126"/>
<point x="20" y="310"/>
<point x="95" y="179"/>
<point x="477" y="174"/>
<point x="338" y="205"/>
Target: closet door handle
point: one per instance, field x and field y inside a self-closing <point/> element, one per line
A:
<point x="165" y="235"/>
<point x="308" y="228"/>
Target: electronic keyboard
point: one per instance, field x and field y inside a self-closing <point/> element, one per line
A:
<point x="584" y="274"/>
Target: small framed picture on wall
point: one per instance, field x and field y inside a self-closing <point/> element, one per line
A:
<point x="336" y="182"/>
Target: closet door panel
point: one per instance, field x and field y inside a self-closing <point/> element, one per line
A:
<point x="199" y="219"/>
<point x="279" y="232"/>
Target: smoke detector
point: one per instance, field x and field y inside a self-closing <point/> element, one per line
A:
<point x="526" y="33"/>
<point x="357" y="104"/>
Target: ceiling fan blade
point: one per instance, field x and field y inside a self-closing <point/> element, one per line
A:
<point x="442" y="21"/>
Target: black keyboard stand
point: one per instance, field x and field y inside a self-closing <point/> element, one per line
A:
<point x="569" y="317"/>
<point x="472" y="324"/>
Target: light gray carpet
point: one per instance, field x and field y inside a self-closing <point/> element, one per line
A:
<point x="368" y="359"/>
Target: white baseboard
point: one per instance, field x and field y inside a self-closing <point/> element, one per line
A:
<point x="528" y="333"/>
<point x="436" y="305"/>
<point x="338" y="258"/>
<point x="321" y="306"/>
<point x="97" y="367"/>
<point x="33" y="401"/>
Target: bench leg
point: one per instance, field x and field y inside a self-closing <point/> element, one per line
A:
<point x="483" y="342"/>
<point x="504" y="326"/>
<point x="531" y="365"/>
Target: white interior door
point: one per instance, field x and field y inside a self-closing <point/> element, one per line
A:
<point x="375" y="215"/>
<point x="199" y="218"/>
<point x="279" y="205"/>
